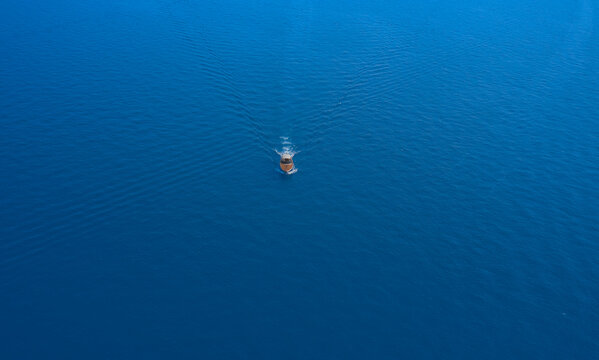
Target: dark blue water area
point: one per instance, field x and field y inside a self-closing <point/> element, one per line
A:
<point x="445" y="204"/>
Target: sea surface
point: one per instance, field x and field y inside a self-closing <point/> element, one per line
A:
<point x="445" y="203"/>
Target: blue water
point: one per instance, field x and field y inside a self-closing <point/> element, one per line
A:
<point x="446" y="203"/>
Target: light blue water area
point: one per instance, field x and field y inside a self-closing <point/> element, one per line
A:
<point x="446" y="202"/>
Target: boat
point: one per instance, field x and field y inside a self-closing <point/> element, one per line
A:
<point x="286" y="162"/>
